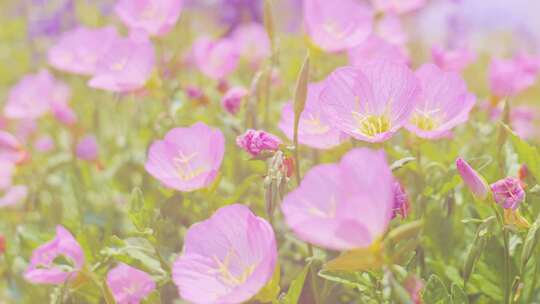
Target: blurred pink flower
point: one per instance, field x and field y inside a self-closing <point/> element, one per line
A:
<point x="455" y="60"/>
<point x="398" y="6"/>
<point x="337" y="25"/>
<point x="11" y="149"/>
<point x="314" y="129"/>
<point x="13" y="195"/>
<point x="371" y="102"/>
<point x="390" y="28"/>
<point x="472" y="179"/>
<point x="524" y="119"/>
<point x="64" y="113"/>
<point x="401" y="201"/>
<point x="187" y="159"/>
<point x="509" y="77"/>
<point x="127" y="65"/>
<point x="32" y="96"/>
<point x="78" y="50"/>
<point x="129" y="285"/>
<point x="508" y="192"/>
<point x="376" y="48"/>
<point x="232" y="100"/>
<point x="44" y="270"/>
<point x="252" y="42"/>
<point x="414" y="286"/>
<point x="6" y="173"/>
<point x="255" y="142"/>
<point x="343" y="206"/>
<point x="154" y="17"/>
<point x="227" y="258"/>
<point x="443" y="104"/>
<point x="87" y="148"/>
<point x="44" y="144"/>
<point x="215" y="58"/>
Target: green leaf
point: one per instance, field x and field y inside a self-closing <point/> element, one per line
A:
<point x="401" y="163"/>
<point x="531" y="240"/>
<point x="296" y="286"/>
<point x="435" y="292"/>
<point x="477" y="247"/>
<point x="153" y="298"/>
<point x="141" y="212"/>
<point x="458" y="295"/>
<point x="527" y="154"/>
<point x="352" y="279"/>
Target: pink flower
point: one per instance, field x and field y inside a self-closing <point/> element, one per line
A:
<point x="79" y="50"/>
<point x="414" y="286"/>
<point x="523" y="119"/>
<point x="390" y="28"/>
<point x="401" y="201"/>
<point x="6" y="173"/>
<point x="44" y="270"/>
<point x="44" y="144"/>
<point x="508" y="192"/>
<point x="252" y="42"/>
<point x="187" y="159"/>
<point x="398" y="6"/>
<point x="472" y="179"/>
<point x="255" y="142"/>
<point x="343" y="206"/>
<point x="443" y="104"/>
<point x="216" y="59"/>
<point x="11" y="149"/>
<point x="314" y="129"/>
<point x="232" y="100"/>
<point x="32" y="96"/>
<point x="129" y="285"/>
<point x="13" y="195"/>
<point x="509" y="77"/>
<point x="227" y="258"/>
<point x="376" y="48"/>
<point x="154" y="17"/>
<point x="337" y="25"/>
<point x="64" y="113"/>
<point x="127" y="65"/>
<point x="371" y="102"/>
<point x="87" y="148"/>
<point x="455" y="60"/>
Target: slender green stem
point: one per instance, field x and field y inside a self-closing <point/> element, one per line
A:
<point x="506" y="277"/>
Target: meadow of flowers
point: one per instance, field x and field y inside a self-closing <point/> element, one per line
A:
<point x="269" y="151"/>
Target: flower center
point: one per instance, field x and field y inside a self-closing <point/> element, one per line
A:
<point x="184" y="167"/>
<point x="227" y="276"/>
<point x="425" y="120"/>
<point x="314" y="126"/>
<point x="371" y="125"/>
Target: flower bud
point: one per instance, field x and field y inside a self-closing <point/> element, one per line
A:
<point x="508" y="192"/>
<point x="401" y="201"/>
<point x="256" y="141"/>
<point x="232" y="100"/>
<point x="472" y="179"/>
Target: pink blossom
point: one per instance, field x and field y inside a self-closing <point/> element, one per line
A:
<point x="398" y="6"/>
<point x="472" y="179"/>
<point x="371" y="102"/>
<point x="129" y="285"/>
<point x="455" y="60"/>
<point x="187" y="159"/>
<point x="443" y="104"/>
<point x="255" y="142"/>
<point x="6" y="173"/>
<point x="401" y="201"/>
<point x="232" y="100"/>
<point x="11" y="149"/>
<point x="87" y="148"/>
<point x="44" y="270"/>
<point x="390" y="28"/>
<point x="64" y="113"/>
<point x="32" y="96"/>
<point x="13" y="195"/>
<point x="314" y="129"/>
<point x="523" y="119"/>
<point x="127" y="66"/>
<point x="508" y="192"/>
<point x="376" y="48"/>
<point x="227" y="258"/>
<point x="343" y="206"/>
<point x="154" y="17"/>
<point x="215" y="58"/>
<point x="44" y="144"/>
<point x="252" y="42"/>
<point x="78" y="50"/>
<point x="509" y="77"/>
<point x="337" y="25"/>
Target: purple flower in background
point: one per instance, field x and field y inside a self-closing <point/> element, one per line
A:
<point x="50" y="17"/>
<point x="232" y="100"/>
<point x="401" y="201"/>
<point x="508" y="192"/>
<point x="456" y="59"/>
<point x="376" y="48"/>
<point x="257" y="141"/>
<point x="44" y="144"/>
<point x="13" y="195"/>
<point x="43" y="268"/>
<point x="154" y="17"/>
<point x="129" y="285"/>
<point x="216" y="58"/>
<point x="87" y="148"/>
<point x="509" y="77"/>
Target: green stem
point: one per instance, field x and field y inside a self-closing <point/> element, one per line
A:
<point x="506" y="280"/>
